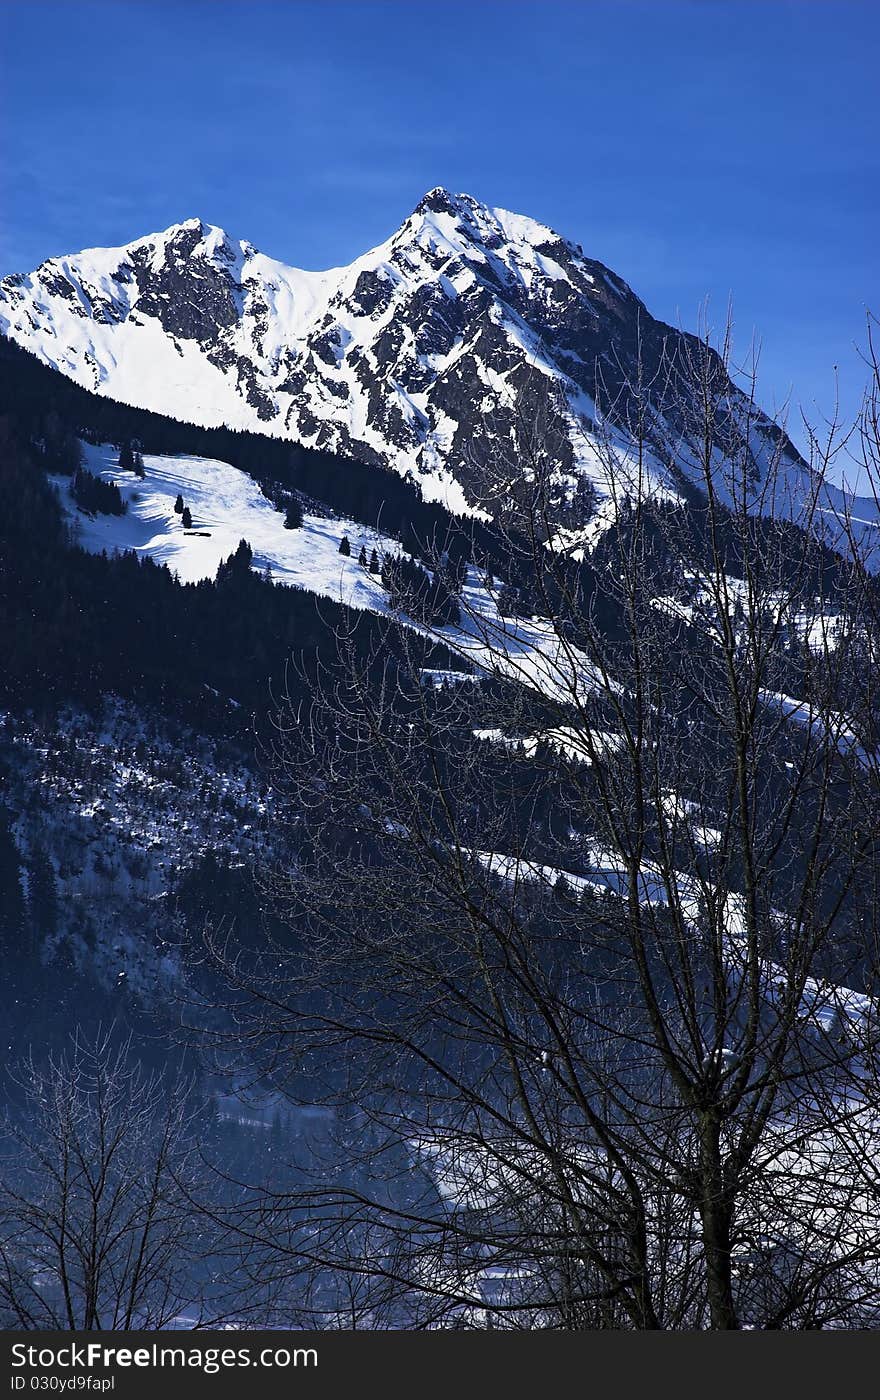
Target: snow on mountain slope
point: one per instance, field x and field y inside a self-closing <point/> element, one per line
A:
<point x="446" y="352"/>
<point x="124" y="799"/>
<point x="226" y="506"/>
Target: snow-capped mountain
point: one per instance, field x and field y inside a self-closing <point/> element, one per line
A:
<point x="439" y="353"/>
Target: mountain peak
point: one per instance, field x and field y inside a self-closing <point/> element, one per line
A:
<point x="187" y="224"/>
<point x="440" y="200"/>
<point x="414" y="357"/>
<point x="195" y="232"/>
<point x="193" y="239"/>
<point x="483" y="224"/>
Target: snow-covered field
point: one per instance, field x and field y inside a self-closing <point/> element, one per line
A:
<point x="226" y="505"/>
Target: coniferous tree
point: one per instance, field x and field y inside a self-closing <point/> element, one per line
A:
<point x="96" y="496"/>
<point x="138" y="468"/>
<point x="126" y="458"/>
<point x="59" y="447"/>
<point x="412" y="590"/>
<point x="507" y="602"/>
<point x="42" y="897"/>
<point x="442" y="603"/>
<point x="12" y="910"/>
<point x="293" y="516"/>
<point x="362" y="558"/>
<point x="345" y="546"/>
<point x="178" y="504"/>
<point x="374" y="562"/>
<point x="237" y="565"/>
<point x="186" y="518"/>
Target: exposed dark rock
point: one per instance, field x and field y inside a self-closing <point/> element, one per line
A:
<point x="463" y="307"/>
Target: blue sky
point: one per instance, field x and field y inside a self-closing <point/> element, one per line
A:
<point x="699" y="148"/>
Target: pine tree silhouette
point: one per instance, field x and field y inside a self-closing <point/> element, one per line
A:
<point x="42" y="898"/>
<point x="96" y="496"/>
<point x="238" y="564"/>
<point x="12" y="910"/>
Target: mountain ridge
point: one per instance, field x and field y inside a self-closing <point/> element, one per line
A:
<point x="434" y="353"/>
<point x="469" y="341"/>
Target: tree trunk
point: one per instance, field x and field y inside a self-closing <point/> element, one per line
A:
<point x="715" y="1216"/>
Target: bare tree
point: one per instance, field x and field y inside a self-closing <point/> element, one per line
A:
<point x="97" y="1222"/>
<point x="591" y="942"/>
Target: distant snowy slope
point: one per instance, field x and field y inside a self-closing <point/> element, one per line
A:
<point x="226" y="506"/>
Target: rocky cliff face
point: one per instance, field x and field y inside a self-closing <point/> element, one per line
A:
<point x="450" y="352"/>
